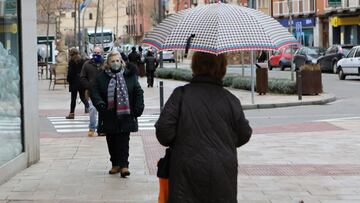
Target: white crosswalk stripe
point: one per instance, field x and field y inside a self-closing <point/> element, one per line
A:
<point x="81" y="123"/>
<point x="10" y="125"/>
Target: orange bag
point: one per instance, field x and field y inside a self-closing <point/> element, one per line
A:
<point x="164" y="190"/>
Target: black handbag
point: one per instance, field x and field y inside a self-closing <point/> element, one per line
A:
<point x="163" y="164"/>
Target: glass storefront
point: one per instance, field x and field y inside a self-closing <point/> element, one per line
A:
<point x="11" y="136"/>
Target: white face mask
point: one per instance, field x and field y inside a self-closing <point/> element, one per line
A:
<point x="116" y="66"/>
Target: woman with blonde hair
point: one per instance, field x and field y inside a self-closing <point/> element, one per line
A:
<point x="118" y="97"/>
<point x="203" y="124"/>
<point x="73" y="77"/>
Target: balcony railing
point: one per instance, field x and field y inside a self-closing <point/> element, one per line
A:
<point x="298" y="7"/>
<point x="342" y="4"/>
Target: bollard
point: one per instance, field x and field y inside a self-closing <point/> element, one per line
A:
<point x="299" y="84"/>
<point x="161" y="88"/>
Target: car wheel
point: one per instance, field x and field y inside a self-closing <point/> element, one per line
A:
<point x="282" y="67"/>
<point x="335" y="67"/>
<point x="341" y="74"/>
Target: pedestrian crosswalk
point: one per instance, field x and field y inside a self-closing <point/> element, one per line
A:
<point x="10" y="125"/>
<point x="81" y="123"/>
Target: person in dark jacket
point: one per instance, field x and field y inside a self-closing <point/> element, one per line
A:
<point x="203" y="124"/>
<point x="134" y="58"/>
<point x="141" y="65"/>
<point x="150" y="65"/>
<point x="73" y="77"/>
<point x="118" y="97"/>
<point x="91" y="69"/>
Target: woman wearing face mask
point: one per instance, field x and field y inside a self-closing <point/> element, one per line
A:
<point x="118" y="97"/>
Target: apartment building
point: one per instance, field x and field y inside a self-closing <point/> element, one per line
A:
<point x="305" y="25"/>
<point x="343" y="21"/>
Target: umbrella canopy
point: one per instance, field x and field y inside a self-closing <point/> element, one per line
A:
<point x="220" y="28"/>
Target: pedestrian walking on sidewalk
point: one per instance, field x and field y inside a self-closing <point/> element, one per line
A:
<point x="151" y="65"/>
<point x="141" y="65"/>
<point x="203" y="124"/>
<point x="118" y="97"/>
<point x="73" y="77"/>
<point x="91" y="69"/>
<point x="135" y="59"/>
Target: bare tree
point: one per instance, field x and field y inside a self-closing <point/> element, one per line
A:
<point x="44" y="5"/>
<point x="75" y="12"/>
<point x="97" y="19"/>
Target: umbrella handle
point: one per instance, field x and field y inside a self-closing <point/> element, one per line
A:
<point x="188" y="43"/>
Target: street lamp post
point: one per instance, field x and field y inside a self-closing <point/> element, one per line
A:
<point x="160" y="19"/>
<point x="291" y="32"/>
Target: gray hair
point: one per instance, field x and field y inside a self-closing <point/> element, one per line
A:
<point x="110" y="55"/>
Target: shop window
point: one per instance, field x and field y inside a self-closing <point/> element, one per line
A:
<point x="11" y="139"/>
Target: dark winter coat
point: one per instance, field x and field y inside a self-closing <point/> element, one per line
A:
<point x="89" y="72"/>
<point x="203" y="166"/>
<point x="110" y="122"/>
<point x="73" y="75"/>
<point x="151" y="63"/>
<point x="134" y="57"/>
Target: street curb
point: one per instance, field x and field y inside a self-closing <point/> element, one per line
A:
<point x="289" y="104"/>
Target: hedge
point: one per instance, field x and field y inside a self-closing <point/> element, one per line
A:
<point x="275" y="85"/>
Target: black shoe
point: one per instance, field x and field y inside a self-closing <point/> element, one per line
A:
<point x="148" y="85"/>
<point x="124" y="172"/>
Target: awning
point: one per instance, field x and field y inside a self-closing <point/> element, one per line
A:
<point x="12" y="28"/>
<point x="338" y="21"/>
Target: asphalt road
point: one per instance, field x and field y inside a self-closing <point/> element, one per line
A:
<point x="347" y="105"/>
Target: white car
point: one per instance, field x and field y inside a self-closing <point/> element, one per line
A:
<point x="349" y="65"/>
<point x="168" y="55"/>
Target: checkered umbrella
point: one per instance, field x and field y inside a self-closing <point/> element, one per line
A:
<point x="219" y="28"/>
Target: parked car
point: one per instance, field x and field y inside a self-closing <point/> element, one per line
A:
<point x="168" y="55"/>
<point x="349" y="65"/>
<point x="281" y="58"/>
<point x="306" y="55"/>
<point x="333" y="54"/>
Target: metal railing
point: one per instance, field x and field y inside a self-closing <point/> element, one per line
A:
<point x="298" y="7"/>
<point x="334" y="4"/>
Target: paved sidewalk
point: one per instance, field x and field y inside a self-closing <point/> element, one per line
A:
<point x="314" y="162"/>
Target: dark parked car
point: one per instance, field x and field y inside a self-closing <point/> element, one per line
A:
<point x="333" y="54"/>
<point x="306" y="55"/>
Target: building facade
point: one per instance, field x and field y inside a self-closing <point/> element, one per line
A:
<point x="320" y="23"/>
<point x="302" y="15"/>
<point x="19" y="134"/>
<point x="343" y="21"/>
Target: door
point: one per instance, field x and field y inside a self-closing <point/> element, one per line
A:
<point x="347" y="63"/>
<point x="356" y="62"/>
<point x="274" y="59"/>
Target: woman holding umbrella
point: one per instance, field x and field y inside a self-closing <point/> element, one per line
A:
<point x="203" y="124"/>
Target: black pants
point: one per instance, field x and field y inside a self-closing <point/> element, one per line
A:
<point x="73" y="99"/>
<point x="150" y="77"/>
<point x="118" y="145"/>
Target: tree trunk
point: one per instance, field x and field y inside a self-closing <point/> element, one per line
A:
<point x="75" y="10"/>
<point x="97" y="20"/>
<point x="47" y="33"/>
<point x="117" y="19"/>
<point x="102" y="25"/>
<point x="79" y="28"/>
